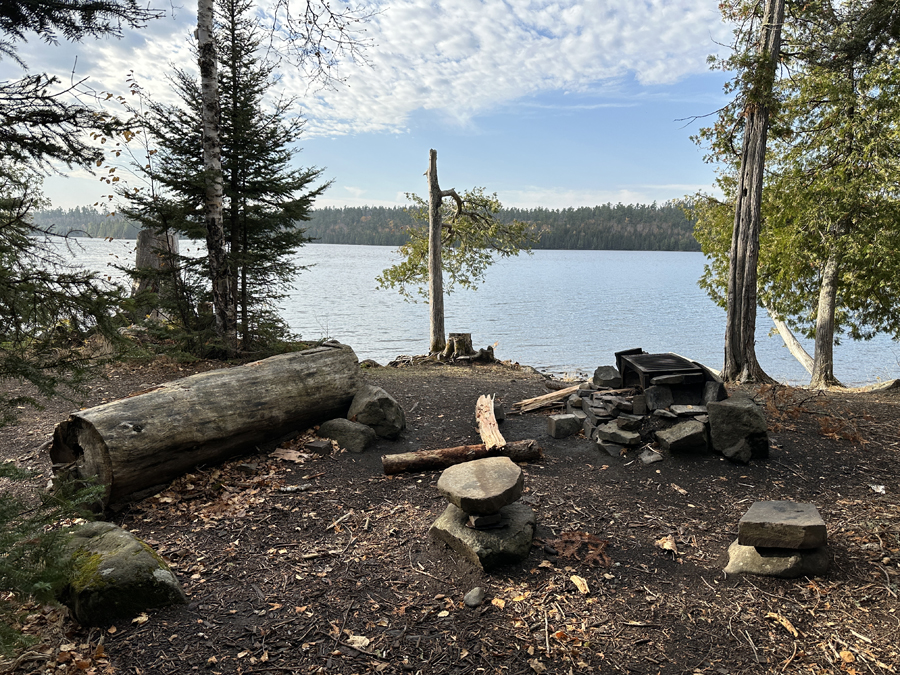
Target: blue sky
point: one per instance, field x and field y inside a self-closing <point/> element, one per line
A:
<point x="548" y="103"/>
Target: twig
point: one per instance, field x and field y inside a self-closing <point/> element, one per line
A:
<point x="788" y="662"/>
<point x="546" y="632"/>
<point x="339" y="521"/>
<point x="443" y="581"/>
<point x="752" y="646"/>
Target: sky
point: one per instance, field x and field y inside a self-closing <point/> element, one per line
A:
<point x="551" y="103"/>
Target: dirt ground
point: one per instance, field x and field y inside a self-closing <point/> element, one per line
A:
<point x="341" y="576"/>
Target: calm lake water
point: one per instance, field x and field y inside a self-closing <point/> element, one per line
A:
<point x="564" y="312"/>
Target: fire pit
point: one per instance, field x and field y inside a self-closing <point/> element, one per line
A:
<point x="640" y="368"/>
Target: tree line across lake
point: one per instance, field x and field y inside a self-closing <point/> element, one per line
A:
<point x="642" y="227"/>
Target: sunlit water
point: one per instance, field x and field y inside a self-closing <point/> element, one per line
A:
<point x="564" y="312"/>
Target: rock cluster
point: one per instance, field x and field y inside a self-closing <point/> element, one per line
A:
<point x="780" y="539"/>
<point x="373" y="413"/>
<point x="484" y="522"/>
<point x="679" y="416"/>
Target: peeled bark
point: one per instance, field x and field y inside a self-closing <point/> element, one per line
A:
<point x="740" y="330"/>
<point x="223" y="304"/>
<point x="430" y="460"/>
<point x="435" y="263"/>
<point x="145" y="441"/>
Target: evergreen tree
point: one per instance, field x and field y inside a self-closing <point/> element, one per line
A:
<point x="264" y="197"/>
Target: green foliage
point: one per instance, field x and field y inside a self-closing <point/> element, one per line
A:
<point x="471" y="239"/>
<point x="265" y="196"/>
<point x="33" y="564"/>
<point x="833" y="166"/>
<point x="609" y="227"/>
<point x="47" y="309"/>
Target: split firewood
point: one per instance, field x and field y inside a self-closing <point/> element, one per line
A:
<point x="537" y="402"/>
<point x="487" y="423"/>
<point x="429" y="460"/>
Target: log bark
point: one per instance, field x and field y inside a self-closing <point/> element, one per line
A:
<point x="823" y="363"/>
<point x="540" y="401"/>
<point x="487" y="423"/>
<point x="145" y="441"/>
<point x="429" y="460"/>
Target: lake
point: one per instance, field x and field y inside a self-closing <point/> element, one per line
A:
<point x="563" y="312"/>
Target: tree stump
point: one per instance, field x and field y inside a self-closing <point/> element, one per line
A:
<point x="145" y="441"/>
<point x="458" y="344"/>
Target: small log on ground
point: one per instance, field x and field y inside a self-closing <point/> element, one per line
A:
<point x="145" y="441"/>
<point x="429" y="460"/>
<point x="540" y="401"/>
<point x="487" y="423"/>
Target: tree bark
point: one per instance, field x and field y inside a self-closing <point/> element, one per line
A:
<point x="740" y="329"/>
<point x="430" y="460"/>
<point x="435" y="264"/>
<point x="486" y="422"/>
<point x="791" y="342"/>
<point x="223" y="305"/>
<point x="823" y="366"/>
<point x="145" y="441"/>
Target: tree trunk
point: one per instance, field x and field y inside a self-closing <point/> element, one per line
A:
<point x="145" y="441"/>
<point x="155" y="252"/>
<point x="823" y="367"/>
<point x="435" y="265"/>
<point x="458" y="344"/>
<point x="223" y="306"/>
<point x="430" y="460"/>
<point x="740" y="329"/>
<point x="793" y="345"/>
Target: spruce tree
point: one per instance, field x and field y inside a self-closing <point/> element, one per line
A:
<point x="265" y="197"/>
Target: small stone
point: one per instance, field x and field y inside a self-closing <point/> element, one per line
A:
<point x="687" y="410"/>
<point x="658" y="397"/>
<point x="351" y="436"/>
<point x="639" y="405"/>
<point x="740" y="452"/>
<point x="563" y="426"/>
<point x="665" y="414"/>
<point x="703" y="419"/>
<point x="474" y="597"/>
<point x="611" y="449"/>
<point x="782" y="524"/>
<point x="612" y="433"/>
<point x="777" y="562"/>
<point x="713" y="392"/>
<point x="248" y="468"/>
<point x="650" y="456"/>
<point x="689" y="435"/>
<point x="629" y="422"/>
<point x="485" y="522"/>
<point x="318" y="447"/>
<point x="482" y="486"/>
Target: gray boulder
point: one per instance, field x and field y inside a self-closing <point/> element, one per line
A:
<point x="612" y="433"/>
<point x="351" y="436"/>
<point x="482" y="486"/>
<point x="713" y="391"/>
<point x="782" y="524"/>
<point x="607" y="376"/>
<point x="375" y="408"/>
<point x="689" y="435"/>
<point x="508" y="544"/>
<point x="735" y="419"/>
<point x="777" y="562"/>
<point x="115" y="576"/>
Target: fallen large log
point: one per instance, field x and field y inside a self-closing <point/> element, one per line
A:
<point x="145" y="441"/>
<point x="429" y="460"/>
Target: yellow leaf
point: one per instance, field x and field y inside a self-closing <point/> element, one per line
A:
<point x="847" y="657"/>
<point x="789" y="627"/>
<point x="580" y="583"/>
<point x="140" y="618"/>
<point x="497" y="602"/>
<point x="667" y="543"/>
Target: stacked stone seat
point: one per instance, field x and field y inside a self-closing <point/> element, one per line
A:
<point x="780" y="539"/>
<point x="484" y="521"/>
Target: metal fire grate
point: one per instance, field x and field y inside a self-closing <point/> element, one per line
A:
<point x="639" y="368"/>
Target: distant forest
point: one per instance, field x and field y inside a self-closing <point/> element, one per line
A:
<point x="614" y="227"/>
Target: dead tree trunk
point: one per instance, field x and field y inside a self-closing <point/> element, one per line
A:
<point x="155" y="254"/>
<point x="740" y="329"/>
<point x="430" y="460"/>
<point x="435" y="263"/>
<point x="791" y="342"/>
<point x="487" y="423"/>
<point x="145" y="441"/>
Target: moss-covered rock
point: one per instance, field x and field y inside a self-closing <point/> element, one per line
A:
<point x="116" y="576"/>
